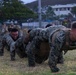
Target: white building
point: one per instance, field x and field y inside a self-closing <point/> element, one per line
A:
<point x="60" y="7"/>
<point x="63" y="9"/>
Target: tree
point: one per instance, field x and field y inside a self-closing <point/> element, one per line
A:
<point x="49" y="13"/>
<point x="73" y="11"/>
<point x="15" y="9"/>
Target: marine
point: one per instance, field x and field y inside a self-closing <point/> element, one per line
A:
<point x="10" y="40"/>
<point x="57" y="37"/>
<point x="36" y="36"/>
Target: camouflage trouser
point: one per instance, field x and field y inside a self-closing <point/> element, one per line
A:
<point x="56" y="45"/>
<point x="1" y="47"/>
<point x="32" y="49"/>
<point x="54" y="58"/>
<point x="60" y="58"/>
<point x="21" y="51"/>
<point x="32" y="53"/>
<point x="20" y="48"/>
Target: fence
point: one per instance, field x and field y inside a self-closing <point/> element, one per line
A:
<point x="34" y="24"/>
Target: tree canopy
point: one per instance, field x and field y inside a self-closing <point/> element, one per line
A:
<point x="50" y="13"/>
<point x="73" y="11"/>
<point x="15" y="9"/>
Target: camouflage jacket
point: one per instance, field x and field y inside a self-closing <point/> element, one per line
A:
<point x="46" y="34"/>
<point x="8" y="40"/>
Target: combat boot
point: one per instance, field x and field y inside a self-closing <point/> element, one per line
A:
<point x="12" y="58"/>
<point x="31" y="61"/>
<point x="31" y="65"/>
<point x="54" y="69"/>
<point x="1" y="54"/>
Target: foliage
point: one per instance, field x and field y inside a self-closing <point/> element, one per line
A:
<point x="49" y="14"/>
<point x="15" y="9"/>
<point x="73" y="10"/>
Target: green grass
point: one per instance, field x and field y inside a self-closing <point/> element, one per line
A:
<point x="19" y="67"/>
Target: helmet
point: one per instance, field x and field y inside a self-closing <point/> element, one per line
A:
<point x="18" y="27"/>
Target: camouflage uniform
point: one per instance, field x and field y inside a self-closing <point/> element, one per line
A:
<point x="11" y="44"/>
<point x="3" y="31"/>
<point x="20" y="47"/>
<point x="38" y="35"/>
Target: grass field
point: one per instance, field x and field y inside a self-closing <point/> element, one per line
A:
<point x="20" y="66"/>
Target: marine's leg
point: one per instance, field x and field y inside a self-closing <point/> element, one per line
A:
<point x="53" y="56"/>
<point x="31" y="51"/>
<point x="1" y="50"/>
<point x="31" y="54"/>
<point x="21" y="52"/>
<point x="55" y="50"/>
<point x="2" y="44"/>
<point x="60" y="58"/>
<point x="20" y="48"/>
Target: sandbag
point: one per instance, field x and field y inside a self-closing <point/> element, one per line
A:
<point x="42" y="53"/>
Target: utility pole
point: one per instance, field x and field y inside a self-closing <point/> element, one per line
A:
<point x="39" y="12"/>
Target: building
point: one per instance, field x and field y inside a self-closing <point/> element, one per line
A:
<point x="60" y="7"/>
<point x="63" y="9"/>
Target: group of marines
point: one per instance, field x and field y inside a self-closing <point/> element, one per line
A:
<point x="58" y="37"/>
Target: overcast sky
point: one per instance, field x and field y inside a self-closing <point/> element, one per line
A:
<point x="28" y="1"/>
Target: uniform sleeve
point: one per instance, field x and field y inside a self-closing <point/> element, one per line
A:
<point x="10" y="42"/>
<point x="12" y="46"/>
<point x="55" y="48"/>
<point x="59" y="41"/>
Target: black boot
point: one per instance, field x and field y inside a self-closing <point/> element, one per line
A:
<point x="1" y="54"/>
<point x="31" y="61"/>
<point x="54" y="69"/>
<point x="12" y="58"/>
<point x="31" y="64"/>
